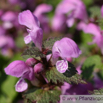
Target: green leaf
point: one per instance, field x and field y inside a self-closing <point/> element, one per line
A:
<point x="54" y="76"/>
<point x="31" y="44"/>
<point x="33" y="52"/>
<point x="42" y="96"/>
<point x="96" y="92"/>
<point x="48" y="44"/>
<point x="89" y="65"/>
<point x="8" y="92"/>
<point x="100" y="21"/>
<point x="95" y="11"/>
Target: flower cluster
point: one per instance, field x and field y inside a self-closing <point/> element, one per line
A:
<point x="64" y="49"/>
<point x="74" y="9"/>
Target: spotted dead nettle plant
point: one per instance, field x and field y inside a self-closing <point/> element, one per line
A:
<point x="46" y="65"/>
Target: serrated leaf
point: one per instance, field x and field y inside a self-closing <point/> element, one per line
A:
<point x="48" y="44"/>
<point x="32" y="52"/>
<point x="89" y="65"/>
<point x="42" y="96"/>
<point x="31" y="44"/>
<point x="96" y="92"/>
<point x="55" y="76"/>
<point x="95" y="12"/>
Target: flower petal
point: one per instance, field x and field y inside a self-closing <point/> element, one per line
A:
<point x="21" y="85"/>
<point x="27" y="39"/>
<point x="28" y="19"/>
<point x="42" y="8"/>
<point x="92" y="29"/>
<point x="58" y="22"/>
<point x="8" y="16"/>
<point x="37" y="36"/>
<point x="70" y="21"/>
<point x="30" y="61"/>
<point x="62" y="66"/>
<point x="80" y="11"/>
<point x="65" y="48"/>
<point x="65" y="7"/>
<point x="81" y="25"/>
<point x="38" y="68"/>
<point x="29" y="74"/>
<point x="16" y="68"/>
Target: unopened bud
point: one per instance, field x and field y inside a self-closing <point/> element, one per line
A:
<point x="30" y="61"/>
<point x="38" y="68"/>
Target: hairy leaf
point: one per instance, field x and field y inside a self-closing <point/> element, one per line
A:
<point x="42" y="96"/>
<point x="95" y="11"/>
<point x="48" y="44"/>
<point x="32" y="52"/>
<point x="89" y="65"/>
<point x="55" y="76"/>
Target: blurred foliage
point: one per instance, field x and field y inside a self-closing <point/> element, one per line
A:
<point x="91" y="63"/>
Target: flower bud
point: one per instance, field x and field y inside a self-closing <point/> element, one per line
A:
<point x="38" y="68"/>
<point x="30" y="61"/>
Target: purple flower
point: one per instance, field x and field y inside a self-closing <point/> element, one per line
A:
<point x="40" y="14"/>
<point x="2" y="31"/>
<point x="8" y="16"/>
<point x="6" y="44"/>
<point x="81" y="25"/>
<point x="98" y="83"/>
<point x="9" y="19"/>
<point x="58" y="22"/>
<point x="102" y="10"/>
<point x="35" y="32"/>
<point x="38" y="68"/>
<point x="65" y="48"/>
<point x="75" y="9"/>
<point x="42" y="8"/>
<point x="98" y="37"/>
<point x="80" y="89"/>
<point x="18" y="69"/>
<point x="30" y="61"/>
<point x="21" y="85"/>
<point x="1" y="12"/>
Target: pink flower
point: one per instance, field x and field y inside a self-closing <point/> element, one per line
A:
<point x="31" y="61"/>
<point x="58" y="22"/>
<point x="38" y="68"/>
<point x="42" y="8"/>
<point x="18" y="69"/>
<point x="35" y="32"/>
<point x="98" y="37"/>
<point x="102" y="10"/>
<point x="74" y="9"/>
<point x="65" y="48"/>
<point x="40" y="14"/>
